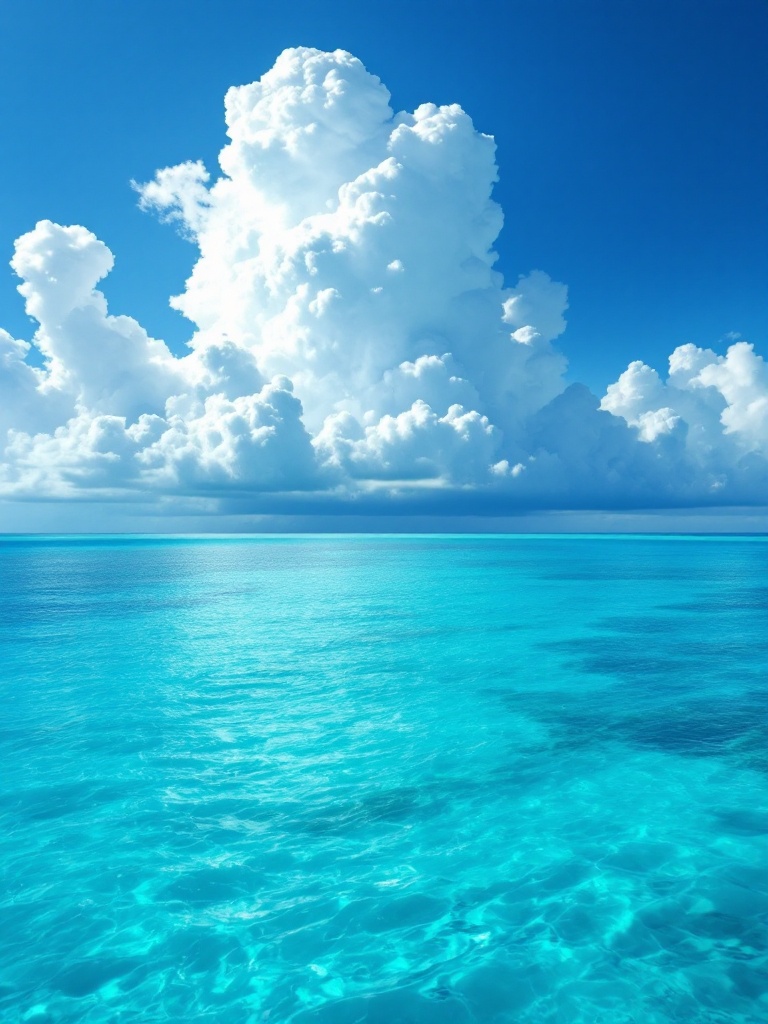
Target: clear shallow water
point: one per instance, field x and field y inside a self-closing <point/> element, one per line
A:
<point x="384" y="780"/>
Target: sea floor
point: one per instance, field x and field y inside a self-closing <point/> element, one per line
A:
<point x="384" y="779"/>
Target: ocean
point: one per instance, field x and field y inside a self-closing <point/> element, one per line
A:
<point x="384" y="779"/>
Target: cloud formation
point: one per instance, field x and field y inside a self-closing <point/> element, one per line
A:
<point x="352" y="343"/>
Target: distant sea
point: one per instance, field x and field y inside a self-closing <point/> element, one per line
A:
<point x="434" y="780"/>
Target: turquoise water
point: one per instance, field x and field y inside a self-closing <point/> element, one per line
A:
<point x="386" y="780"/>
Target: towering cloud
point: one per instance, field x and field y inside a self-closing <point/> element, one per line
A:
<point x="351" y="340"/>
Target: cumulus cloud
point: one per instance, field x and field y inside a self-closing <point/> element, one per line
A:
<point x="100" y="362"/>
<point x="721" y="401"/>
<point x="417" y="445"/>
<point x="254" y="441"/>
<point x="350" y="336"/>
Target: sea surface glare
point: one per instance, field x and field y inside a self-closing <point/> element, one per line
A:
<point x="384" y="779"/>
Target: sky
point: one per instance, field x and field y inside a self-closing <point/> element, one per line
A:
<point x="621" y="218"/>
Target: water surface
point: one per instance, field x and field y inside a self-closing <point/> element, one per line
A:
<point x="384" y="779"/>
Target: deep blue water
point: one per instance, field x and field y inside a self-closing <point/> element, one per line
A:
<point x="386" y="780"/>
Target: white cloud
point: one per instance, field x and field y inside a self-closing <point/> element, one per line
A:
<point x="350" y="335"/>
<point x="178" y="194"/>
<point x="104" y="363"/>
<point x="255" y="442"/>
<point x="416" y="444"/>
<point x="722" y="400"/>
<point x="536" y="308"/>
<point x="344" y="241"/>
<point x="741" y="377"/>
<point x="25" y="402"/>
<point x="90" y="453"/>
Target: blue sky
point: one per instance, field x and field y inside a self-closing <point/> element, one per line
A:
<point x="632" y="159"/>
<point x="631" y="141"/>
